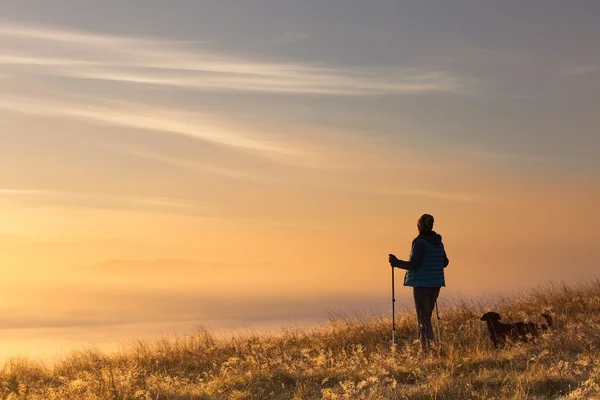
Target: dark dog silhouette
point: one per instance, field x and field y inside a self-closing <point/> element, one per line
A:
<point x="499" y="332"/>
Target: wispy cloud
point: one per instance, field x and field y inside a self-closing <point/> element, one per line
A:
<point x="502" y="156"/>
<point x="52" y="70"/>
<point x="170" y="63"/>
<point x="581" y="70"/>
<point x="138" y="116"/>
<point x="97" y="200"/>
<point x="198" y="166"/>
<point x="316" y="149"/>
<point x="434" y="194"/>
<point x="462" y="197"/>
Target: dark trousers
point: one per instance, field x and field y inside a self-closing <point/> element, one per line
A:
<point x="425" y="298"/>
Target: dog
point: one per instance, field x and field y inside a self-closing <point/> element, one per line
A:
<point x="499" y="332"/>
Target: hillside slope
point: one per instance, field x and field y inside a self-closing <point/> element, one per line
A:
<point x="350" y="358"/>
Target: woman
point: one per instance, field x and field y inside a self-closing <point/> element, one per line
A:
<point x="425" y="273"/>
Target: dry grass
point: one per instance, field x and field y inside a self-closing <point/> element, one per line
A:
<point x="350" y="358"/>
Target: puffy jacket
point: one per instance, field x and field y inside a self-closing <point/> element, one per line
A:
<point x="427" y="262"/>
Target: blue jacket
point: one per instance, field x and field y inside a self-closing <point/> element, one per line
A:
<point x="427" y="262"/>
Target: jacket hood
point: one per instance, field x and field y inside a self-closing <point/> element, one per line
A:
<point x="432" y="237"/>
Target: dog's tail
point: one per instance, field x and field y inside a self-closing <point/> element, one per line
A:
<point x="549" y="320"/>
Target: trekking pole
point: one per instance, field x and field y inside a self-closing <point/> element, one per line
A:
<point x="438" y="329"/>
<point x="393" y="313"/>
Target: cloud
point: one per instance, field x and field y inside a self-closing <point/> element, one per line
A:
<point x="146" y="61"/>
<point x="579" y="70"/>
<point x="462" y="197"/>
<point x="502" y="156"/>
<point x="284" y="79"/>
<point x="97" y="200"/>
<point x="195" y="165"/>
<point x="52" y="71"/>
<point x="138" y="116"/>
<point x="434" y="194"/>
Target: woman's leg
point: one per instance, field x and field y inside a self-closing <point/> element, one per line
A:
<point x="421" y="301"/>
<point x="433" y="294"/>
<point x="425" y="298"/>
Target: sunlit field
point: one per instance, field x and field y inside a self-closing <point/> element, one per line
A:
<point x="348" y="358"/>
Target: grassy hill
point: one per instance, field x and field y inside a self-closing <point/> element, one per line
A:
<point x="350" y="358"/>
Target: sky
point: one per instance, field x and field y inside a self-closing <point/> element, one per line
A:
<point x="250" y="164"/>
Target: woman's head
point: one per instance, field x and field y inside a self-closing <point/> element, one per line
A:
<point x="425" y="223"/>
